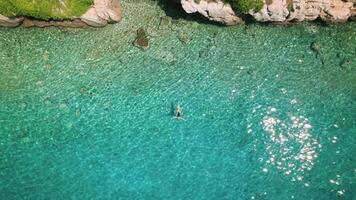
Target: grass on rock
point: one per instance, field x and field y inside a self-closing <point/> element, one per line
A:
<point x="244" y="6"/>
<point x="45" y="9"/>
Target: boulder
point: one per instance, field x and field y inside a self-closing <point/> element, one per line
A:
<point x="274" y="10"/>
<point x="102" y="12"/>
<point x="214" y="10"/>
<point x="337" y="11"/>
<point x="301" y="10"/>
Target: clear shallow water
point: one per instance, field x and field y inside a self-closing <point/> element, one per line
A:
<point x="85" y="114"/>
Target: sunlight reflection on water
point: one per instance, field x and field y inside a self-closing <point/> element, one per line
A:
<point x="290" y="145"/>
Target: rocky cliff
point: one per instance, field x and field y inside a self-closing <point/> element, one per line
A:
<point x="229" y="12"/>
<point x="99" y="14"/>
<point x="275" y="10"/>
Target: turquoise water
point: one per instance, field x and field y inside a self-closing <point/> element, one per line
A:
<point x="86" y="115"/>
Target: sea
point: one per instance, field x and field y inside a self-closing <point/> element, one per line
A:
<point x="268" y="110"/>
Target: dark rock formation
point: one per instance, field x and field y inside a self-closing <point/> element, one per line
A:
<point x="141" y="40"/>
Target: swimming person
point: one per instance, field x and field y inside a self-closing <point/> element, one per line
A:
<point x="179" y="113"/>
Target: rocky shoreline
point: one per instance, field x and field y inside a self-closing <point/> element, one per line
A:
<point x="100" y="14"/>
<point x="280" y="11"/>
<point x="276" y="10"/>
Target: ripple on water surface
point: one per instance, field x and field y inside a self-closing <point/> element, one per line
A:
<point x="269" y="111"/>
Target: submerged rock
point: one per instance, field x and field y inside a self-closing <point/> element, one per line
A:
<point x="165" y="56"/>
<point x="316" y="48"/>
<point x="64" y="107"/>
<point x="141" y="40"/>
<point x="165" y="22"/>
<point x="344" y="61"/>
<point x="184" y="38"/>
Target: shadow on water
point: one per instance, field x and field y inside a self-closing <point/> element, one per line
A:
<point x="174" y="9"/>
<point x="172" y="110"/>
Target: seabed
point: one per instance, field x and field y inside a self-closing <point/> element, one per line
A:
<point x="85" y="114"/>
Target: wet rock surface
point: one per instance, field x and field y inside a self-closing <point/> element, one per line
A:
<point x="10" y="22"/>
<point x="39" y="23"/>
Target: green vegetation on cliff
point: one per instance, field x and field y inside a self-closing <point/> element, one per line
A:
<point x="45" y="9"/>
<point x="243" y="6"/>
